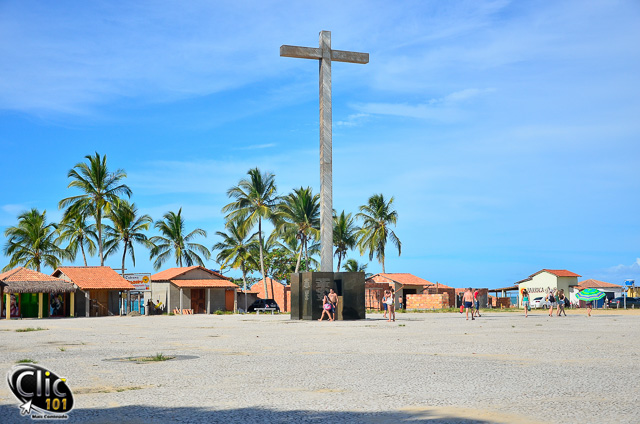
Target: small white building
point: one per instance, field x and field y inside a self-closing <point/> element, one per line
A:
<point x="611" y="290"/>
<point x="543" y="281"/>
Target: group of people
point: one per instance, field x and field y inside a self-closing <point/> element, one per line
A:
<point x="389" y="302"/>
<point x="329" y="305"/>
<point x="471" y="303"/>
<point x="557" y="300"/>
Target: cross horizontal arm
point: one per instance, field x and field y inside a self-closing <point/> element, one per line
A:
<point x="351" y="57"/>
<point x="301" y="52"/>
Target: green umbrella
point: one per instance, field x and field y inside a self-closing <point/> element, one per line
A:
<point x="589" y="295"/>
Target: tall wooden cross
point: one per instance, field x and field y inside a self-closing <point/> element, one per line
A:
<point x="325" y="55"/>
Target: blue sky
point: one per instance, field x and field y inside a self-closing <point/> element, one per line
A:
<point x="507" y="132"/>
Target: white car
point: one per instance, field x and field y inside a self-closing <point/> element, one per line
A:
<point x="539" y="303"/>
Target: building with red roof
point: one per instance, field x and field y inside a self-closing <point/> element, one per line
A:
<point x="102" y="288"/>
<point x="195" y="289"/>
<point x="402" y="282"/>
<point x="544" y="281"/>
<point x="278" y="291"/>
<point x="611" y="290"/>
<point x="27" y="293"/>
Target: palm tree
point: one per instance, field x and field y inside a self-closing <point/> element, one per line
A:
<point x="377" y="216"/>
<point x="255" y="198"/>
<point x="32" y="243"/>
<point x="291" y="246"/>
<point x="298" y="216"/>
<point x="235" y="249"/>
<point x="174" y="240"/>
<point x="344" y="235"/>
<point x="101" y="191"/>
<point x="79" y="233"/>
<point x="127" y="228"/>
<point x="351" y="265"/>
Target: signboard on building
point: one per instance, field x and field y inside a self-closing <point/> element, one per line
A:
<point x="142" y="282"/>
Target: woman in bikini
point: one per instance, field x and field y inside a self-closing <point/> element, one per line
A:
<point x="525" y="302"/>
<point x="326" y="306"/>
<point x="561" y="303"/>
<point x="391" y="304"/>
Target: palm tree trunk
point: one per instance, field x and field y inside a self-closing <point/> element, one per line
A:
<point x="264" y="278"/>
<point x="99" y="224"/>
<point x="339" y="260"/>
<point x="123" y="256"/>
<point x="299" y="257"/>
<point x="244" y="280"/>
<point x="382" y="261"/>
<point x="83" y="255"/>
<point x="306" y="255"/>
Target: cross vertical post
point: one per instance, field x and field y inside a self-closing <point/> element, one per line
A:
<point x="325" y="55"/>
<point x="326" y="167"/>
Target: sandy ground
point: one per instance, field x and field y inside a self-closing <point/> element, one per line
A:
<point x="433" y="368"/>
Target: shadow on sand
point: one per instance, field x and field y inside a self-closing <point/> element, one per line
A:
<point x="140" y="414"/>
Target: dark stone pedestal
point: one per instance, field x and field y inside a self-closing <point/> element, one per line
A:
<point x="307" y="291"/>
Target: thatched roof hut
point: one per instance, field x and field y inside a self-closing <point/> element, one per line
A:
<point x="23" y="280"/>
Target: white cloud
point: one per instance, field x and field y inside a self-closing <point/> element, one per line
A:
<point x="353" y="120"/>
<point x="257" y="146"/>
<point x="619" y="273"/>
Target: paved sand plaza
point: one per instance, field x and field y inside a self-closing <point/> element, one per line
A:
<point x="431" y="367"/>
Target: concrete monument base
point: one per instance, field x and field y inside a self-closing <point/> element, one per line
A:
<point x="307" y="292"/>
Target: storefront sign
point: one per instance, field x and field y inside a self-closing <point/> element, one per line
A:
<point x="141" y="282"/>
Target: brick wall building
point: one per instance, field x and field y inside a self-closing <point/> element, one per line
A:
<point x="404" y="284"/>
<point x="277" y="291"/>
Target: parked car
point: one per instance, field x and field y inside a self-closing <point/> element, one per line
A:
<point x="618" y="302"/>
<point x="539" y="303"/>
<point x="263" y="303"/>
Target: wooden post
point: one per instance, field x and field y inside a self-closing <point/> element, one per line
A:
<point x="180" y="299"/>
<point x="7" y="306"/>
<point x="208" y="301"/>
<point x="40" y="302"/>
<point x="169" y="310"/>
<point x="72" y="304"/>
<point x="87" y="305"/>
<point x="235" y="301"/>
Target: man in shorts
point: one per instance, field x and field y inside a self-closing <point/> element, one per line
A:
<point x="333" y="298"/>
<point x="476" y="303"/>
<point x="468" y="303"/>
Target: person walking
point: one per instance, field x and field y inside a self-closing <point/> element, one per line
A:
<point x="333" y="300"/>
<point x="387" y="293"/>
<point x="561" y="300"/>
<point x="326" y="307"/>
<point x="589" y="308"/>
<point x="468" y="303"/>
<point x="391" y="303"/>
<point x="552" y="302"/>
<point x="525" y="302"/>
<point x="476" y="303"/>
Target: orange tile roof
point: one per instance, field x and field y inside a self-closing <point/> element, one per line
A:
<point x="94" y="277"/>
<point x="560" y="273"/>
<point x="595" y="284"/>
<point x="171" y="273"/>
<point x="403" y="278"/>
<point x="25" y="274"/>
<point x="255" y="288"/>
<point x="556" y="272"/>
<point x="204" y="284"/>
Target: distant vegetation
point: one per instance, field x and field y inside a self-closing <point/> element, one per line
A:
<point x="100" y="219"/>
